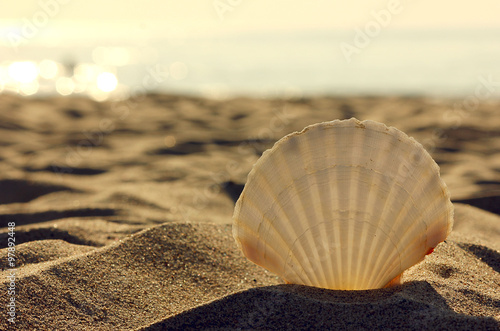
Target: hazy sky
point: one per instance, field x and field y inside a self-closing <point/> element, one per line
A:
<point x="155" y="17"/>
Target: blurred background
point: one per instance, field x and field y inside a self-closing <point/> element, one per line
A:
<point x="221" y="48"/>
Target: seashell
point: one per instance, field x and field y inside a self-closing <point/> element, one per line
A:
<point x="344" y="205"/>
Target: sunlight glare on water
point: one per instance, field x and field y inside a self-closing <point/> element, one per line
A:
<point x="29" y="88"/>
<point x="107" y="82"/>
<point x="65" y="86"/>
<point x="23" y="72"/>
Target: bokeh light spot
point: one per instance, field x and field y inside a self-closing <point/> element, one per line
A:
<point x="48" y="69"/>
<point x="65" y="86"/>
<point x="23" y="72"/>
<point x="29" y="88"/>
<point x="106" y="82"/>
<point x="86" y="73"/>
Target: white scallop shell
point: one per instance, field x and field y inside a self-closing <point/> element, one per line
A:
<point x="343" y="205"/>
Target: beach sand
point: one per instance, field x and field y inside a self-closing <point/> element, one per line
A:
<point x="123" y="210"/>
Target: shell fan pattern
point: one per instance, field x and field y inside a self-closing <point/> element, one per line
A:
<point x="343" y="205"/>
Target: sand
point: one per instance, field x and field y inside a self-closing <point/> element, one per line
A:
<point x="123" y="212"/>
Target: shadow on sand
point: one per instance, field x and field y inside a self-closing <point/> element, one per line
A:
<point x="414" y="305"/>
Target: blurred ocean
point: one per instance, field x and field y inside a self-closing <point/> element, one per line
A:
<point x="436" y="63"/>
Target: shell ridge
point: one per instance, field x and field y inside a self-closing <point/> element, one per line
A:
<point x="395" y="226"/>
<point x="405" y="229"/>
<point x="309" y="208"/>
<point x="384" y="210"/>
<point x="313" y="278"/>
<point x="395" y="246"/>
<point x="422" y="212"/>
<point x="336" y="228"/>
<point x="300" y="238"/>
<point x="343" y="208"/>
<point x="324" y="262"/>
<point x="381" y="179"/>
<point x="368" y="216"/>
<point x="326" y="215"/>
<point x="423" y="216"/>
<point x="301" y="213"/>
<point x="442" y="184"/>
<point x="355" y="182"/>
<point x="293" y="255"/>
<point x="377" y="128"/>
<point x="400" y="218"/>
<point x="259" y="241"/>
<point x="403" y="214"/>
<point x="279" y="232"/>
